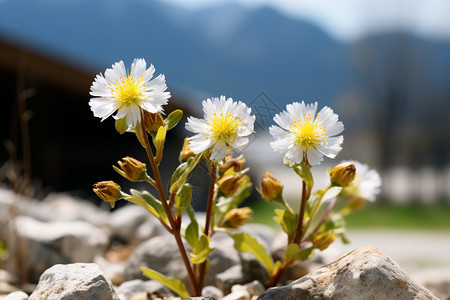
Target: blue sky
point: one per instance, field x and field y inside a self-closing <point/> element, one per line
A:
<point x="347" y="20"/>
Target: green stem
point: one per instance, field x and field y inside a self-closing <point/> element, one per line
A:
<point x="306" y="192"/>
<point x="175" y="229"/>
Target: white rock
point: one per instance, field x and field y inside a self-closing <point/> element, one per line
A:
<point x="365" y="273"/>
<point x="125" y="224"/>
<point x="135" y="288"/>
<point x="18" y="295"/>
<point x="74" y="281"/>
<point x="255" y="288"/>
<point x="65" y="207"/>
<point x="238" y="295"/>
<point x="212" y="291"/>
<point x="45" y="244"/>
<point x="161" y="254"/>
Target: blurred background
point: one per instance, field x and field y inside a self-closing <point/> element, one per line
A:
<point x="383" y="66"/>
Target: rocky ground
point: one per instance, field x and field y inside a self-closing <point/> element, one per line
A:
<point x="67" y="248"/>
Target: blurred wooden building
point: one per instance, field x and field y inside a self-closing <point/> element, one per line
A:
<point x="66" y="146"/>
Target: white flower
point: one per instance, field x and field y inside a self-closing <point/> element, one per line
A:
<point x="226" y="124"/>
<point x="303" y="133"/>
<point x="366" y="184"/>
<point x="128" y="93"/>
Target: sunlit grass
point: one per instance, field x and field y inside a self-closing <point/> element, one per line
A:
<point x="379" y="215"/>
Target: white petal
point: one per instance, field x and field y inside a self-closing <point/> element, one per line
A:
<point x="198" y="143"/>
<point x="283" y="119"/>
<point x="148" y="74"/>
<point x="314" y="156"/>
<point x="195" y="125"/>
<point x="240" y="143"/>
<point x="332" y="147"/>
<point x="118" y="70"/>
<point x="219" y="151"/>
<point x="277" y="132"/>
<point x="138" y="68"/>
<point x="133" y="116"/>
<point x="295" y="154"/>
<point x="102" y="107"/>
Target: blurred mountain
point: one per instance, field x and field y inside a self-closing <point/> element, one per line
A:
<point x="225" y="49"/>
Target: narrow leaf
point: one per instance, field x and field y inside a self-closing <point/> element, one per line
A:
<point x="243" y="242"/>
<point x="158" y="141"/>
<point x="152" y="202"/>
<point x="121" y="125"/>
<point x="183" y="197"/>
<point x="174" y="284"/>
<point x="331" y="193"/>
<point x="173" y="118"/>
<point x="181" y="173"/>
<point x="304" y="172"/>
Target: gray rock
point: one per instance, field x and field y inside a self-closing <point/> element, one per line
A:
<point x="18" y="295"/>
<point x="74" y="281"/>
<point x="365" y="273"/>
<point x="230" y="277"/>
<point x="212" y="291"/>
<point x="65" y="207"/>
<point x="161" y="254"/>
<point x="255" y="288"/>
<point x="43" y="245"/>
<point x="133" y="288"/>
<point x="126" y="224"/>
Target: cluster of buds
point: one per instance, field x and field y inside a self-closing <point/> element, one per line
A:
<point x="232" y="162"/>
<point x="322" y="240"/>
<point x="271" y="188"/>
<point x="186" y="151"/>
<point x="228" y="185"/>
<point x="152" y="122"/>
<point x="132" y="169"/>
<point x="237" y="217"/>
<point x="343" y="174"/>
<point x="108" y="191"/>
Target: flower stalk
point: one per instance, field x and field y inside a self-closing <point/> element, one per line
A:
<point x="173" y="225"/>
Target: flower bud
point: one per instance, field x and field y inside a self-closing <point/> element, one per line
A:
<point x="232" y="162"/>
<point x="186" y="151"/>
<point x="108" y="191"/>
<point x="132" y="169"/>
<point x="152" y="122"/>
<point x="237" y="216"/>
<point x="271" y="188"/>
<point x="228" y="185"/>
<point x="343" y="174"/>
<point x="322" y="240"/>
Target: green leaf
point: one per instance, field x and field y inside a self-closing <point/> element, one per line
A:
<point x="183" y="197"/>
<point x="150" y="203"/>
<point x="181" y="173"/>
<point x="200" y="257"/>
<point x="305" y="254"/>
<point x="331" y="193"/>
<point x="174" y="284"/>
<point x="243" y="242"/>
<point x="173" y="118"/>
<point x="158" y="141"/>
<point x="291" y="252"/>
<point x="121" y="125"/>
<point x="304" y="172"/>
<point x="191" y="234"/>
<point x="287" y="220"/>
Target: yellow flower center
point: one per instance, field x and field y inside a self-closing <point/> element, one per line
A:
<point x="223" y="127"/>
<point x="128" y="90"/>
<point x="308" y="133"/>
